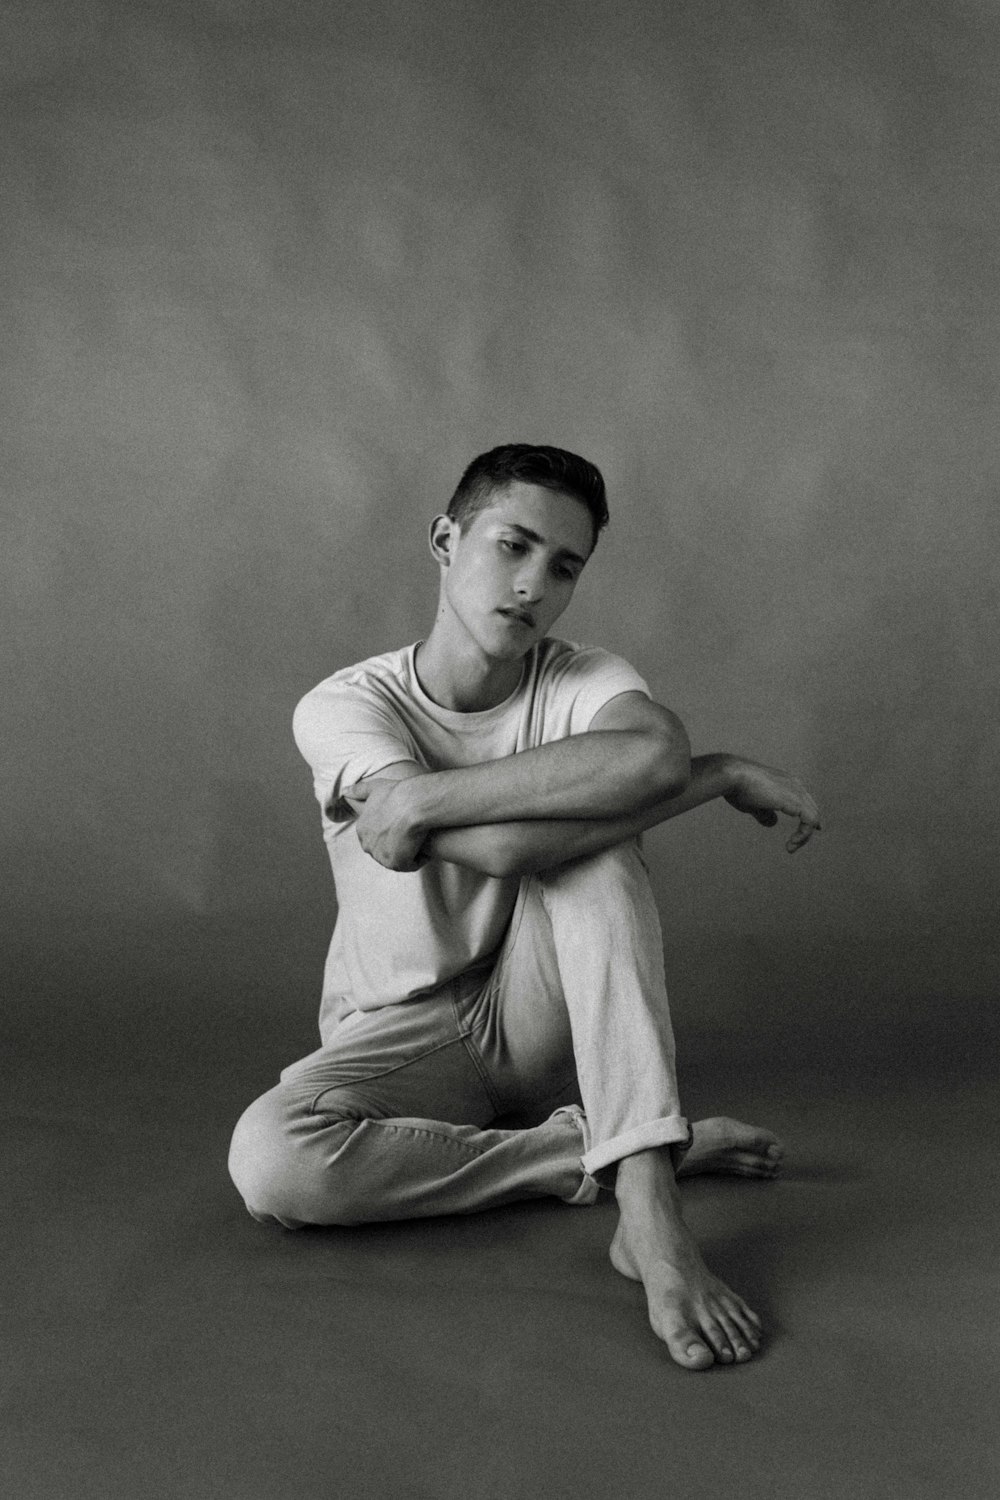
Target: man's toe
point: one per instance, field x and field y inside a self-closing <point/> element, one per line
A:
<point x="744" y="1321"/>
<point x="749" y="1164"/>
<point x="740" y="1344"/>
<point x="719" y="1340"/>
<point x="691" y="1352"/>
<point x="687" y="1346"/>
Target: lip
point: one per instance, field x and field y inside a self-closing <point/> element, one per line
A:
<point x="520" y="617"/>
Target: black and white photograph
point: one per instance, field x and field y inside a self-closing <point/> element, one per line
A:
<point x="500" y="575"/>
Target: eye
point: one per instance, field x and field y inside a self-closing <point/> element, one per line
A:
<point x="567" y="574"/>
<point x="511" y="546"/>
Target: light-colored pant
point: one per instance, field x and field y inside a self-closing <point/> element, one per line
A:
<point x="391" y="1119"/>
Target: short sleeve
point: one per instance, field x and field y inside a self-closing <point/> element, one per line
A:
<point x="574" y="682"/>
<point x="594" y="677"/>
<point x="345" y="733"/>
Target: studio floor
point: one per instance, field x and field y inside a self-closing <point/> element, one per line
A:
<point x="160" y="1343"/>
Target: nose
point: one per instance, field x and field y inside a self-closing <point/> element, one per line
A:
<point x="529" y="585"/>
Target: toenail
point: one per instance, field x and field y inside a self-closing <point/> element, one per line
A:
<point x="774" y="1151"/>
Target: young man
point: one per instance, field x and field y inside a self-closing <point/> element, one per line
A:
<point x="497" y="951"/>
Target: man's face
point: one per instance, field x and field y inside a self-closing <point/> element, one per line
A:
<point x="513" y="569"/>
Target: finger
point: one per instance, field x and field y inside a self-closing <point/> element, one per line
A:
<point x="802" y="834"/>
<point x="358" y="792"/>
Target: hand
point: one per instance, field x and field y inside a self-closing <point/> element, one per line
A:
<point x="385" y="828"/>
<point x="764" y="792"/>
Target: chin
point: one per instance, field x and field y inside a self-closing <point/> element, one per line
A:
<point x="511" y="653"/>
<point x="508" y="650"/>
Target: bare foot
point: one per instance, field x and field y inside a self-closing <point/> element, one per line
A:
<point x="695" y="1314"/>
<point x="723" y="1145"/>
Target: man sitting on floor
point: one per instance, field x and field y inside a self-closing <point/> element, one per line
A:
<point x="497" y="950"/>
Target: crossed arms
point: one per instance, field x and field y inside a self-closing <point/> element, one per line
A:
<point x="573" y="797"/>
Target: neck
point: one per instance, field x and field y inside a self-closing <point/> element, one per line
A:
<point x="457" y="675"/>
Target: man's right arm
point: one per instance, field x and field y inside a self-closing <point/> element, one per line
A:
<point x="526" y="846"/>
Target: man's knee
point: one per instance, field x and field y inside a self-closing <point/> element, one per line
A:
<point x="258" y="1158"/>
<point x="284" y="1161"/>
<point x="612" y="870"/>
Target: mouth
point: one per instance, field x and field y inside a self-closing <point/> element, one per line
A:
<point x="519" y="616"/>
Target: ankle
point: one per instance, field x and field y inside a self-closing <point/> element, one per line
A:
<point x="646" y="1174"/>
<point x="647" y="1195"/>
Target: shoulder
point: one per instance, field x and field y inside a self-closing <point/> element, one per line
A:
<point x="355" y="695"/>
<point x="570" y="662"/>
<point x="573" y="682"/>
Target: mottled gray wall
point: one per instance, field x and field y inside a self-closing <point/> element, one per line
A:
<point x="274" y="271"/>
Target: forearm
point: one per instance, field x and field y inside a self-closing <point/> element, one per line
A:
<point x="600" y="774"/>
<point x="521" y="847"/>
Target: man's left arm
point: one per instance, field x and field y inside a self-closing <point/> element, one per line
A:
<point x="512" y="845"/>
<point x="634" y="754"/>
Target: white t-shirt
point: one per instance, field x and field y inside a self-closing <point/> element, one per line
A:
<point x="400" y="934"/>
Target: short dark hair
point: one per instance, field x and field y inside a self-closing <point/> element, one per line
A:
<point x="550" y="468"/>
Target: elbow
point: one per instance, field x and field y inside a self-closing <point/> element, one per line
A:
<point x="670" y="773"/>
<point x="677" y="782"/>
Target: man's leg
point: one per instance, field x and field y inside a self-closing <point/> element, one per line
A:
<point x="387" y="1122"/>
<point x="583" y="971"/>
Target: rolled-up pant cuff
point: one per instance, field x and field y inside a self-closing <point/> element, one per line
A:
<point x="601" y="1162"/>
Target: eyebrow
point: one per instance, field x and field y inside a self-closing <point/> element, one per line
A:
<point x="533" y="536"/>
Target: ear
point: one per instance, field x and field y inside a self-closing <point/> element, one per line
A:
<point x="441" y="538"/>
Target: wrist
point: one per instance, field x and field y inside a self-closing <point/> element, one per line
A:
<point x="413" y="809"/>
<point x="730" y="769"/>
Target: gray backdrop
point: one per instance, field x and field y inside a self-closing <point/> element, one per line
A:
<point x="275" y="271"/>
